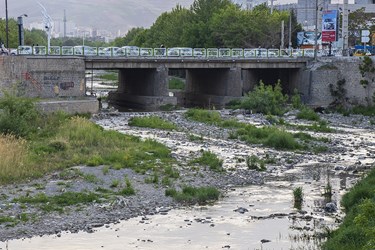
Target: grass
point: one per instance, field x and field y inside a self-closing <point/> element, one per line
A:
<point x="128" y="189"/>
<point x="205" y="116"/>
<point x="152" y="122"/>
<point x="268" y="136"/>
<point x="253" y="162"/>
<point x="307" y="114"/>
<point x="113" y="76"/>
<point x="209" y="159"/>
<point x="193" y="195"/>
<point x="176" y="83"/>
<point x="62" y="142"/>
<point x="57" y="202"/>
<point x="298" y="197"/>
<point x="13" y="158"/>
<point x="358" y="228"/>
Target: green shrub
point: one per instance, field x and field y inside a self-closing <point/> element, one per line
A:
<point x="268" y="136"/>
<point x="253" y="162"/>
<point x="298" y="197"/>
<point x="209" y="159"/>
<point x="151" y="122"/>
<point x="205" y="116"/>
<point x="296" y="99"/>
<point x="190" y="194"/>
<point x="266" y="99"/>
<point x="358" y="228"/>
<point x="308" y="114"/>
<point x="176" y="83"/>
<point x="18" y="116"/>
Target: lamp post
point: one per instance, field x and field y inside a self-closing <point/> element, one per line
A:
<point x="6" y="24"/>
<point x="316" y="31"/>
<point x="20" y="29"/>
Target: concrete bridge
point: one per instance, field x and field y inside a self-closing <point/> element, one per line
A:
<point x="143" y="82"/>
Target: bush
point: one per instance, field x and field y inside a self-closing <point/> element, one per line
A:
<point x="308" y="114"/>
<point x="266" y="99"/>
<point x="18" y="116"/>
<point x="194" y="195"/>
<point x="205" y="116"/>
<point x="176" y="83"/>
<point x="151" y="122"/>
<point x="211" y="160"/>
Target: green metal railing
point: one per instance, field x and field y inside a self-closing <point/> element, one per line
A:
<point x="132" y="51"/>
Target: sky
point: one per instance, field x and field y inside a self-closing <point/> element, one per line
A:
<point x="114" y="15"/>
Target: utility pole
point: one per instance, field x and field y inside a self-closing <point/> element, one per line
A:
<point x="272" y="6"/>
<point x="316" y="31"/>
<point x="6" y="25"/>
<point x="345" y="21"/>
<point x="64" y="23"/>
<point x="290" y="29"/>
<point x="282" y="35"/>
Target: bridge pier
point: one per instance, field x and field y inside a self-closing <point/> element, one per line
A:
<point x="212" y="87"/>
<point x="145" y="89"/>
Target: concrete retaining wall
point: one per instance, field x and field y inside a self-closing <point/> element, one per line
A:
<point x="43" y="77"/>
<point x="329" y="71"/>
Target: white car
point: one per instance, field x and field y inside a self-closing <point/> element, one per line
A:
<point x="24" y="50"/>
<point x="84" y="50"/>
<point x="180" y="52"/>
<point x="129" y="51"/>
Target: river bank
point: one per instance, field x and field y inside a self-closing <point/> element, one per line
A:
<point x="350" y="152"/>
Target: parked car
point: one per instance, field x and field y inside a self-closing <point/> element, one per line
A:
<point x="129" y="51"/>
<point x="180" y="52"/>
<point x="25" y="50"/>
<point x="108" y="51"/>
<point x="84" y="50"/>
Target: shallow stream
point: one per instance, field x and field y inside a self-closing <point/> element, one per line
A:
<point x="253" y="217"/>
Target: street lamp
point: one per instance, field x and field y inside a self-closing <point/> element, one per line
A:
<point x="6" y="24"/>
<point x="20" y="29"/>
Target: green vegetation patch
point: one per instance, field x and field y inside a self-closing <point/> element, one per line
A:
<point x="308" y="114"/>
<point x="59" y="141"/>
<point x="152" y="122"/>
<point x="205" y="116"/>
<point x="209" y="159"/>
<point x="176" y="83"/>
<point x="57" y="202"/>
<point x="194" y="194"/>
<point x="112" y="76"/>
<point x="358" y="229"/>
<point x="266" y="99"/>
<point x="268" y="136"/>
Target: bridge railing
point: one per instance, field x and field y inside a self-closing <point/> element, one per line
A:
<point x="132" y="51"/>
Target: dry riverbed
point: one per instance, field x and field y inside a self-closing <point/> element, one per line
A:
<point x="350" y="152"/>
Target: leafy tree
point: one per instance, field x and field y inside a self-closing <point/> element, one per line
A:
<point x="129" y="38"/>
<point x="12" y="32"/>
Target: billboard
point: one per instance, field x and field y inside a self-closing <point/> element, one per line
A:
<point x="329" y="26"/>
<point x="307" y="38"/>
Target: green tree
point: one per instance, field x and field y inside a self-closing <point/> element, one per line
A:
<point x="129" y="38"/>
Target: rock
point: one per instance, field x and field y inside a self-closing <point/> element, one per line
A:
<point x="241" y="210"/>
<point x="330" y="207"/>
<point x="264" y="241"/>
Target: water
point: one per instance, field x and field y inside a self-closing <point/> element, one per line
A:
<point x="270" y="216"/>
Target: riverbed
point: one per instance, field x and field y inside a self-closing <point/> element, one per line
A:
<point x="256" y="213"/>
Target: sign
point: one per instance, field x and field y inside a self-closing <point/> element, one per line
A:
<point x="365" y="36"/>
<point x="307" y="38"/>
<point x="329" y="26"/>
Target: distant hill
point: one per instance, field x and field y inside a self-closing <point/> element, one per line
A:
<point x="112" y="15"/>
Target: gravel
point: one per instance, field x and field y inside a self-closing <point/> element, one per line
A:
<point x="350" y="149"/>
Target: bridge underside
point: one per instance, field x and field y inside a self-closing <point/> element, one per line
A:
<point x="147" y="89"/>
